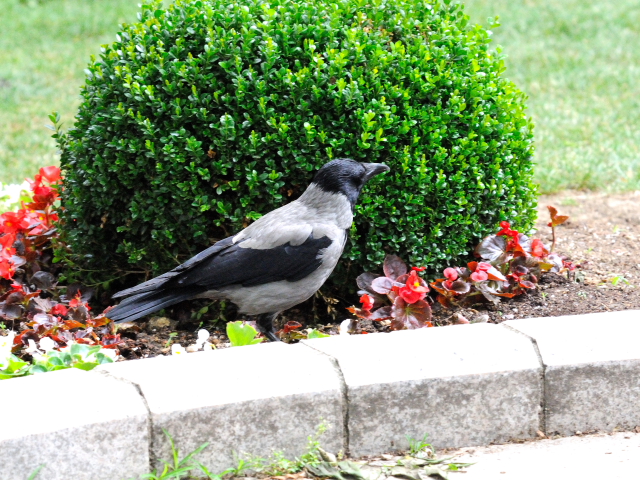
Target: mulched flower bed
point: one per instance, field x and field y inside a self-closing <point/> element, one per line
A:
<point x="600" y="240"/>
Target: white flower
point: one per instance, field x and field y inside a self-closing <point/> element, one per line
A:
<point x="108" y="352"/>
<point x="177" y="349"/>
<point x="203" y="336"/>
<point x="32" y="348"/>
<point x="207" y="347"/>
<point x="346" y="327"/>
<point x="47" y="344"/>
<point x="6" y="341"/>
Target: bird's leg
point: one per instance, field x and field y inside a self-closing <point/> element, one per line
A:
<point x="265" y="324"/>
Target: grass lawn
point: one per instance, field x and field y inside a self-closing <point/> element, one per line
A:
<point x="578" y="61"/>
<point x="44" y="48"/>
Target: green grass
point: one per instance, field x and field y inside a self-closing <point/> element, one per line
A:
<point x="579" y="62"/>
<point x="44" y="48"/>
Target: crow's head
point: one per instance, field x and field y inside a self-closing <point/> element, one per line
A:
<point x="347" y="177"/>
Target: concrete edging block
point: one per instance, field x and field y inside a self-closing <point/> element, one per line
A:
<point x="592" y="369"/>
<point x="462" y="385"/>
<point x="79" y="425"/>
<point x="243" y="400"/>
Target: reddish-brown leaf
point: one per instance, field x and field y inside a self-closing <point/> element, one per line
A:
<point x="73" y="324"/>
<point x="555" y="218"/>
<point x="290" y="326"/>
<point x="394" y="267"/>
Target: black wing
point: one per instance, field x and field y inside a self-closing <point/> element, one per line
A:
<point x="248" y="267"/>
<point x="225" y="264"/>
<point x="161" y="280"/>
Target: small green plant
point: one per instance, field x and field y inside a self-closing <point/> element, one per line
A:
<point x="178" y="467"/>
<point x="35" y="473"/>
<point x="617" y="279"/>
<point x="278" y="464"/>
<point x="172" y="335"/>
<point x="241" y="334"/>
<point x="420" y="446"/>
<point x="424" y="451"/>
<point x="291" y="331"/>
<point x="47" y="359"/>
<point x="77" y="355"/>
<point x="313" y="333"/>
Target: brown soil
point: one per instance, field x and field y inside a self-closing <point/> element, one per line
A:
<point x="602" y="236"/>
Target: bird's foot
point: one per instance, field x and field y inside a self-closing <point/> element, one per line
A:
<point x="265" y="324"/>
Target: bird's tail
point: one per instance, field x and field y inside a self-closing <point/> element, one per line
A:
<point x="143" y="304"/>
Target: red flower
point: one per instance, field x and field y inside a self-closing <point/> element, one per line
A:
<point x="12" y="222"/>
<point x="367" y="302"/>
<point x="76" y="302"/>
<point x="36" y="182"/>
<point x="52" y="174"/>
<point x="6" y="269"/>
<point x="410" y="296"/>
<point x="414" y="290"/>
<point x="59" y="309"/>
<point x="479" y="276"/>
<point x="479" y="270"/>
<point x="506" y="230"/>
<point x="419" y="269"/>
<point x="7" y="241"/>
<point x="451" y="274"/>
<point x="538" y="249"/>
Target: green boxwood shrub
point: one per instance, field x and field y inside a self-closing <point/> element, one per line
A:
<point x="207" y="114"/>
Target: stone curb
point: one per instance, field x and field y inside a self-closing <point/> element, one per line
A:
<point x="463" y="385"/>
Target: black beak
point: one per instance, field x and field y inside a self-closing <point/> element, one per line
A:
<point x="373" y="169"/>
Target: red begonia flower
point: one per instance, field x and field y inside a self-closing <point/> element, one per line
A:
<point x="7" y="240"/>
<point x="409" y="295"/>
<point x="416" y="283"/>
<point x="415" y="288"/>
<point x="59" y="309"/>
<point x="367" y="302"/>
<point x="479" y="276"/>
<point x="419" y="269"/>
<point x="52" y="174"/>
<point x="75" y="301"/>
<point x="6" y="269"/>
<point x="506" y="230"/>
<point x="538" y="249"/>
<point x="483" y="267"/>
<point x="36" y="182"/>
<point x="451" y="274"/>
<point x="12" y="222"/>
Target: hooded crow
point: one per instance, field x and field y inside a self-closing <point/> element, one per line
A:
<point x="277" y="262"/>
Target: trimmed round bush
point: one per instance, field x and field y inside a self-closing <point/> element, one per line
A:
<point x="203" y="116"/>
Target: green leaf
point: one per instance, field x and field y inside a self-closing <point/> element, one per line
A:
<point x="85" y="365"/>
<point x="313" y="333"/>
<point x="241" y="334"/>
